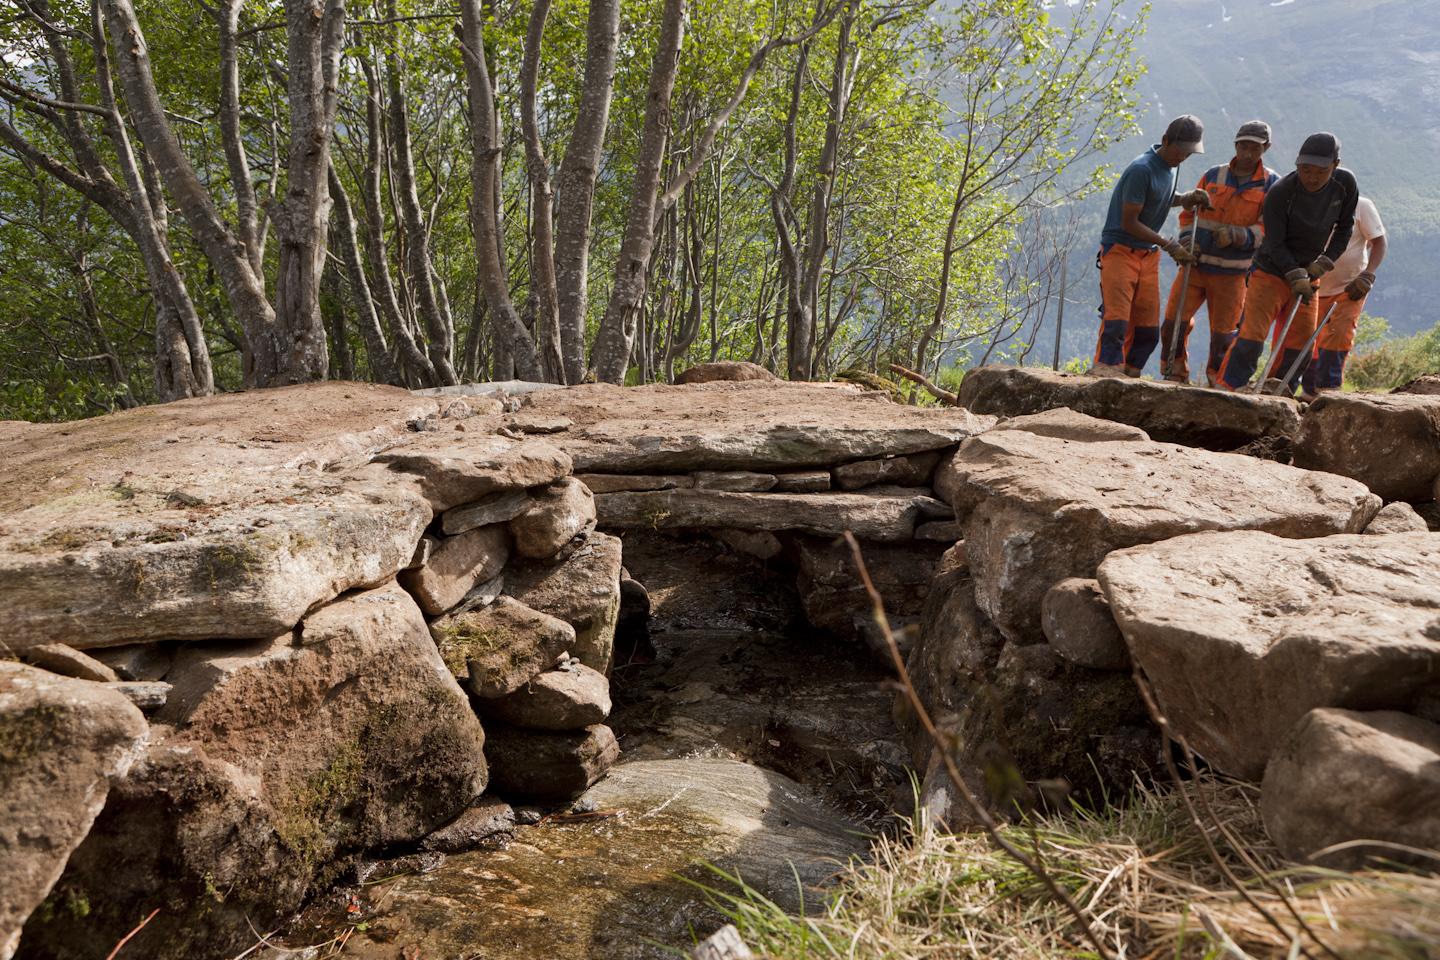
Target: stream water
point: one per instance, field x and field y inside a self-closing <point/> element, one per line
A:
<point x="749" y="742"/>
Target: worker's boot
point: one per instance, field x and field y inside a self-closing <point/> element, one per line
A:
<point x="1106" y="370"/>
<point x="1133" y="372"/>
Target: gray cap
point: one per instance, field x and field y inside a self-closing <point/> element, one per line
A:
<point x="1256" y="131"/>
<point x="1319" y="150"/>
<point x="1186" y="132"/>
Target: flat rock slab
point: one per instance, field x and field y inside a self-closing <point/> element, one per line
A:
<point x="757" y="426"/>
<point x="1389" y="442"/>
<point x="1038" y="509"/>
<point x="882" y="513"/>
<point x="450" y="468"/>
<point x="1066" y="424"/>
<point x="1343" y="777"/>
<point x="1244" y="633"/>
<point x="227" y="516"/>
<point x="62" y="741"/>
<point x="1213" y="419"/>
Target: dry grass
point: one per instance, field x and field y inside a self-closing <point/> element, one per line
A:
<point x="1141" y="874"/>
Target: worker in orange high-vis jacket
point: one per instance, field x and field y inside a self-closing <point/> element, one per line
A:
<point x="1309" y="216"/>
<point x="1346" y="288"/>
<point x="1226" y="237"/>
<point x="1130" y="245"/>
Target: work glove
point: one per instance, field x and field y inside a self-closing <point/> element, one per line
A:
<point x="1179" y="253"/>
<point x="1360" y="286"/>
<point x="1195" y="198"/>
<point x="1300" y="283"/>
<point x="1222" y="237"/>
<point x="1320" y="266"/>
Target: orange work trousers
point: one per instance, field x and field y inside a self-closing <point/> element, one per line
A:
<point x="1332" y="348"/>
<point x="1223" y="294"/>
<point x="1130" y="306"/>
<point x="1268" y="301"/>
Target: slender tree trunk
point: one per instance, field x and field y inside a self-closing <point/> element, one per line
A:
<point x="377" y="351"/>
<point x="316" y="31"/>
<point x="579" y="169"/>
<point x="617" y="327"/>
<point x="542" y="247"/>
<point x="511" y="334"/>
<point x="247" y="209"/>
<point x="439" y="326"/>
<point x="243" y="289"/>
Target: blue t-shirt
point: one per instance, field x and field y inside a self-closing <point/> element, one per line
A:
<point x="1148" y="180"/>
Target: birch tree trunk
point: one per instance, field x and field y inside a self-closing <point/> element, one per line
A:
<point x="579" y="169"/>
<point x="512" y="339"/>
<point x="617" y="328"/>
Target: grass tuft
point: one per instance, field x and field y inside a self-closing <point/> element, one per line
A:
<point x="1140" y="872"/>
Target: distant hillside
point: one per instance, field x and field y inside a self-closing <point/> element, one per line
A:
<point x="1367" y="70"/>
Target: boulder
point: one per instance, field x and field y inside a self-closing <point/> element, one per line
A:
<point x="485" y="819"/>
<point x="1041" y="731"/>
<point x="569" y="698"/>
<point x="1212" y="419"/>
<point x="147" y="695"/>
<point x="884" y="514"/>
<point x="496" y="508"/>
<point x="1397" y="518"/>
<point x="1078" y="624"/>
<point x="557" y="514"/>
<point x="733" y="370"/>
<point x="1243" y="633"/>
<point x="803" y="481"/>
<point x="251" y="571"/>
<point x="502" y="646"/>
<point x="1389" y="442"/>
<point x="834" y="597"/>
<point x="1038" y="509"/>
<point x="1342" y="777"/>
<point x="583" y="590"/>
<point x="456" y="565"/>
<point x="544" y="766"/>
<point x="759" y="426"/>
<point x="69" y="662"/>
<point x="1427" y="385"/>
<point x="939" y="531"/>
<point x="760" y="544"/>
<point x="739" y="481"/>
<point x="1066" y="424"/>
<point x="954" y="654"/>
<point x="625" y="482"/>
<point x="904" y="471"/>
<point x="449" y="469"/>
<point x="62" y="743"/>
<point x="281" y="760"/>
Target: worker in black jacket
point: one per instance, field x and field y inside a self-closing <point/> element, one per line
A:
<point x="1308" y="218"/>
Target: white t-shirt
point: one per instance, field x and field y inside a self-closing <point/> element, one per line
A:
<point x="1356" y="257"/>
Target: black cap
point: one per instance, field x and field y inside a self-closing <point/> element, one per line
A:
<point x="1256" y="131"/>
<point x="1186" y="132"/>
<point x="1319" y="150"/>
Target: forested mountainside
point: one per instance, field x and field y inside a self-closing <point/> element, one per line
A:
<point x="1368" y="70"/>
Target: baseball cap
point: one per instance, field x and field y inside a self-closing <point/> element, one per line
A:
<point x="1320" y="150"/>
<point x="1256" y="131"/>
<point x="1186" y="132"/>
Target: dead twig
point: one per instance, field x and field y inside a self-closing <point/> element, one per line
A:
<point x="126" y="939"/>
<point x="976" y="807"/>
<point x="940" y="393"/>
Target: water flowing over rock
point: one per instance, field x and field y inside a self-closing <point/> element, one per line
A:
<point x="1342" y="777"/>
<point x="1244" y="633"/>
<point x="1389" y="442"/>
<point x="281" y="756"/>
<point x="1037" y="509"/>
<point x="1213" y="419"/>
<point x="62" y="742"/>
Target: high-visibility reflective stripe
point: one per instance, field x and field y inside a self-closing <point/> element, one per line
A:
<point x="1214" y="261"/>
